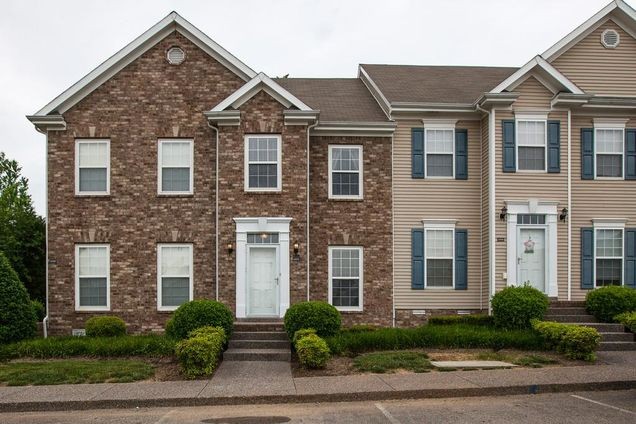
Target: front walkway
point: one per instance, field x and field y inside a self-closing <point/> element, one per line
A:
<point x="271" y="382"/>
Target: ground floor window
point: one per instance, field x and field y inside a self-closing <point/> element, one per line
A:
<point x="439" y="258"/>
<point x="174" y="272"/>
<point x="609" y="257"/>
<point x="92" y="277"/>
<point x="345" y="277"/>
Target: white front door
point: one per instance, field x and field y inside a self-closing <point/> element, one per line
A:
<point x="262" y="281"/>
<point x="531" y="253"/>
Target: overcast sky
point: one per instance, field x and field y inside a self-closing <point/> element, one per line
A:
<point x="49" y="45"/>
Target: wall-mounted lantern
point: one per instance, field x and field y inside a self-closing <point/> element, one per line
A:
<point x="564" y="214"/>
<point x="503" y="213"/>
<point x="230" y="248"/>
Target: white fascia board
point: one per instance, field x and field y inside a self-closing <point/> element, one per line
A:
<point x="136" y="48"/>
<point x="543" y="64"/>
<point x="255" y="85"/>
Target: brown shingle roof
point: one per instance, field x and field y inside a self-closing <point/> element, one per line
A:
<point x="338" y="99"/>
<point x="435" y="84"/>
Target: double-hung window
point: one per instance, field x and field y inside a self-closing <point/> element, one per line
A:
<point x="440" y="150"/>
<point x="92" y="167"/>
<point x="439" y="252"/>
<point x="174" y="275"/>
<point x="531" y="145"/>
<point x="92" y="277"/>
<point x="345" y="277"/>
<point x="609" y="152"/>
<point x="175" y="166"/>
<point x="345" y="172"/>
<point x="263" y="163"/>
<point x="609" y="257"/>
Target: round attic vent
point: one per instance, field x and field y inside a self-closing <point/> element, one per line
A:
<point x="610" y="38"/>
<point x="175" y="55"/>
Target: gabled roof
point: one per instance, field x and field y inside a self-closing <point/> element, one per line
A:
<point x="172" y="22"/>
<point x="544" y="72"/>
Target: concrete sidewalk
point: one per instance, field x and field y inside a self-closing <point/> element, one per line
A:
<point x="251" y="384"/>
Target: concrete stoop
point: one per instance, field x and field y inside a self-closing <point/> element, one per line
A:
<point x="258" y="340"/>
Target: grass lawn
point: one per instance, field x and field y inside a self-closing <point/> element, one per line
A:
<point x="381" y="362"/>
<point x="74" y="372"/>
<point x="532" y="361"/>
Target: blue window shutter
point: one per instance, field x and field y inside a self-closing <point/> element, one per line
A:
<point x="461" y="154"/>
<point x="461" y="259"/>
<point x="630" y="154"/>
<point x="554" y="146"/>
<point x="509" y="150"/>
<point x="630" y="257"/>
<point x="417" y="153"/>
<point x="587" y="258"/>
<point x="417" y="258"/>
<point x="587" y="153"/>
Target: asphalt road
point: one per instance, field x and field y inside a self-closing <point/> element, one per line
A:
<point x="587" y="407"/>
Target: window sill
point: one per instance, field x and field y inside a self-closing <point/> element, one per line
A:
<point x="531" y="171"/>
<point x="175" y="194"/>
<point x="610" y="178"/>
<point x="91" y="311"/>
<point x="277" y="191"/>
<point x="350" y="311"/>
<point x="347" y="199"/>
<point x="92" y="194"/>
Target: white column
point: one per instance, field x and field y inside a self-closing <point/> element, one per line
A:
<point x="241" y="273"/>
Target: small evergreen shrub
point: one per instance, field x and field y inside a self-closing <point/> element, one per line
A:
<point x="514" y="307"/>
<point x="209" y="331"/>
<point x="473" y="319"/>
<point x="199" y="355"/>
<point x="302" y="333"/>
<point x="552" y="332"/>
<point x="580" y="343"/>
<point x="360" y="328"/>
<point x="607" y="302"/>
<point x="105" y="326"/>
<point x="628" y="319"/>
<point x="313" y="351"/>
<point x="17" y="318"/>
<point x="38" y="309"/>
<point x="321" y="316"/>
<point x="200" y="313"/>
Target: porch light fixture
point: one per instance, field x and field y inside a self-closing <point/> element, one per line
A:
<point x="264" y="236"/>
<point x="230" y="248"/>
<point x="564" y="214"/>
<point x="503" y="213"/>
<point x="296" y="249"/>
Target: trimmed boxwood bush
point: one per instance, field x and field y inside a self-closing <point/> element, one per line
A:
<point x="574" y="341"/>
<point x="105" y="326"/>
<point x="200" y="313"/>
<point x="38" y="309"/>
<point x="473" y="319"/>
<point x="17" y="318"/>
<point x="321" y="316"/>
<point x="208" y="331"/>
<point x="199" y="355"/>
<point x="302" y="333"/>
<point x="552" y="332"/>
<point x="607" y="302"/>
<point x="628" y="319"/>
<point x="515" y="307"/>
<point x="313" y="351"/>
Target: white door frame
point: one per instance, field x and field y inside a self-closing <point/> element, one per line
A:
<point x="533" y="206"/>
<point x="276" y="249"/>
<point x="545" y="251"/>
<point x="244" y="226"/>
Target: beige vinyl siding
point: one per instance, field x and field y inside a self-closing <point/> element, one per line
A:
<point x="417" y="199"/>
<point x="598" y="70"/>
<point x="525" y="185"/>
<point x="595" y="199"/>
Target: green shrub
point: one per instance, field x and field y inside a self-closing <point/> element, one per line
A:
<point x="360" y="328"/>
<point x="552" y="332"/>
<point x="199" y="355"/>
<point x="381" y="362"/>
<point x="105" y="326"/>
<point x="628" y="319"/>
<point x="473" y="319"/>
<point x="321" y="316"/>
<point x="607" y="302"/>
<point x="580" y="343"/>
<point x="67" y="347"/>
<point x="313" y="351"/>
<point x="17" y="318"/>
<point x="302" y="333"/>
<point x="38" y="309"/>
<point x="209" y="331"/>
<point x="514" y="307"/>
<point x="200" y="313"/>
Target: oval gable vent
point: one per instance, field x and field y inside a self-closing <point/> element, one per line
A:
<point x="175" y="55"/>
<point x="610" y="38"/>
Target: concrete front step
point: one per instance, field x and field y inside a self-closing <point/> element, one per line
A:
<point x="604" y="327"/>
<point x="617" y="337"/>
<point x="258" y="326"/>
<point x="259" y="335"/>
<point x="567" y="311"/>
<point x="571" y="319"/>
<point x="567" y="303"/>
<point x="257" y="355"/>
<point x="259" y="344"/>
<point x="617" y="346"/>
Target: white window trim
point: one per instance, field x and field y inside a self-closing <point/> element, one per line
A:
<point x="80" y="141"/>
<point x="622" y="153"/>
<point x="160" y="190"/>
<point x="160" y="307"/>
<point x="431" y="127"/>
<point x="360" y="172"/>
<point x="610" y="224"/>
<point x="360" y="307"/>
<point x="279" y="163"/>
<point x="439" y="225"/>
<point x="79" y="307"/>
<point x="545" y="144"/>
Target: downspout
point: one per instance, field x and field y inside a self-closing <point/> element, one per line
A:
<point x="393" y="232"/>
<point x="216" y="212"/>
<point x="569" y="218"/>
<point x="309" y="128"/>
<point x="45" y="321"/>
<point x="490" y="136"/>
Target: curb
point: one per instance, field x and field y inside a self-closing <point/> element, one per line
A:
<point x="312" y="398"/>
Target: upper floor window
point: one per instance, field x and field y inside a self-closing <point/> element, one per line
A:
<point x="175" y="166"/>
<point x="92" y="167"/>
<point x="531" y="145"/>
<point x="440" y="149"/>
<point x="263" y="163"/>
<point x="174" y="275"/>
<point x="345" y="277"/>
<point x="609" y="257"/>
<point x="345" y="172"/>
<point x="92" y="277"/>
<point x="609" y="152"/>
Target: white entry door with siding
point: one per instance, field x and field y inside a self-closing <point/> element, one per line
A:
<point x="531" y="260"/>
<point x="262" y="281"/>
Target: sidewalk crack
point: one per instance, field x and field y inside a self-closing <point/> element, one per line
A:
<point x="386" y="382"/>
